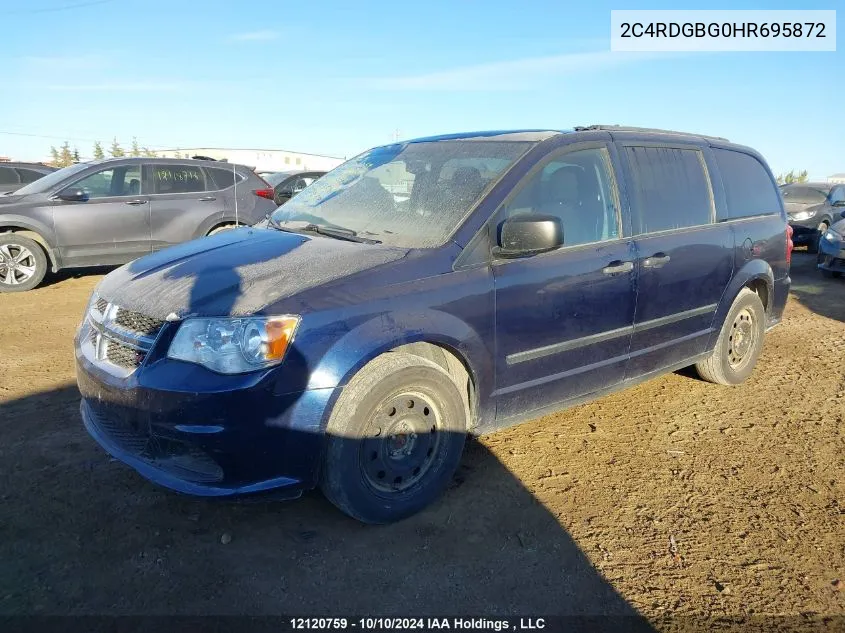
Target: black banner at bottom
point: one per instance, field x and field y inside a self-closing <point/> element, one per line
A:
<point x="396" y="624"/>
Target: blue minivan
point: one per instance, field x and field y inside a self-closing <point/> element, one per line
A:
<point x="427" y="290"/>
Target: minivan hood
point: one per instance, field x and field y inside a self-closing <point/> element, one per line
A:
<point x="237" y="272"/>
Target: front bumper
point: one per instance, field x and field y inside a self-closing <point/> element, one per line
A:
<point x="189" y="431"/>
<point x="832" y="255"/>
<point x="804" y="232"/>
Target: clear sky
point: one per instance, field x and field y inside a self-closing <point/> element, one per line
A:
<point x="337" y="77"/>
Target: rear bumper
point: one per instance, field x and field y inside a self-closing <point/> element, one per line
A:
<point x="779" y="298"/>
<point x="803" y="234"/>
<point x="214" y="444"/>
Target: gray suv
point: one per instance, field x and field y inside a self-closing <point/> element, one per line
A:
<point x="112" y="211"/>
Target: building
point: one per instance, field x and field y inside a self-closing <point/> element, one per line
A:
<point x="837" y="178"/>
<point x="259" y="159"/>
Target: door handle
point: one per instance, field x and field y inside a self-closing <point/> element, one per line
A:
<point x="207" y="199"/>
<point x="136" y="202"/>
<point x="656" y="261"/>
<point x="617" y="266"/>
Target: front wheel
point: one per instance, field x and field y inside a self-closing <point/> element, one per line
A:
<point x="394" y="439"/>
<point x="739" y="344"/>
<point x="23" y="263"/>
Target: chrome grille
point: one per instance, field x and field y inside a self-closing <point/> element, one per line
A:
<point x="118" y="340"/>
<point x="138" y="323"/>
<point x="123" y="355"/>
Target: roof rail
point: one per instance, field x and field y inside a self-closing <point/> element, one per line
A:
<point x="626" y="128"/>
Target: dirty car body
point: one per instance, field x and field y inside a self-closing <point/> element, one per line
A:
<point x="627" y="297"/>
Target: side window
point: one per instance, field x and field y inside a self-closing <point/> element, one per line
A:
<point x="8" y="176"/>
<point x="114" y="181"/>
<point x="837" y="195"/>
<point x="177" y="179"/>
<point x="670" y="189"/>
<point x="222" y="178"/>
<point x="748" y="188"/>
<point x="29" y="175"/>
<point x="577" y="188"/>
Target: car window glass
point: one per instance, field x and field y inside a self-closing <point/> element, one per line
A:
<point x="177" y="179"/>
<point x="8" y="176"/>
<point x="114" y="181"/>
<point x="669" y="188"/>
<point x="29" y="175"/>
<point x="222" y="178"/>
<point x="837" y="195"/>
<point x="749" y="189"/>
<point x="577" y="189"/>
<point x="803" y="194"/>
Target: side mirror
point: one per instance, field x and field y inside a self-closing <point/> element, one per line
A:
<point x="525" y="235"/>
<point x="73" y="194"/>
<point x="839" y="203"/>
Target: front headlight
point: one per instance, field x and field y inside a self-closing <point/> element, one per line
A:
<point x="830" y="236"/>
<point x="803" y="215"/>
<point x="236" y="345"/>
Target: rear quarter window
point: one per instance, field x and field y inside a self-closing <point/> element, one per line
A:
<point x="8" y="176"/>
<point x="749" y="189"/>
<point x="223" y="178"/>
<point x="29" y="175"/>
<point x="670" y="189"/>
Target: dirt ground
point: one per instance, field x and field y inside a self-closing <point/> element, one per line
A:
<point x="676" y="497"/>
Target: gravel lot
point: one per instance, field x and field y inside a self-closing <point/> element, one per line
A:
<point x="676" y="497"/>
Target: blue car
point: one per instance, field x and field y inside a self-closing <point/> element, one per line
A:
<point x="831" y="257"/>
<point x="424" y="291"/>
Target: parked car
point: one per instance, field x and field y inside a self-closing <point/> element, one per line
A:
<point x="811" y="208"/>
<point x="113" y="211"/>
<point x="351" y="342"/>
<point x="15" y="175"/>
<point x="831" y="257"/>
<point x="287" y="184"/>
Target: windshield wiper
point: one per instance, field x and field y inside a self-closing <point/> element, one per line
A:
<point x="340" y="233"/>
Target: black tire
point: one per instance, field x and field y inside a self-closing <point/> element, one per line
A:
<point x="23" y="263"/>
<point x="394" y="439"/>
<point x="739" y="344"/>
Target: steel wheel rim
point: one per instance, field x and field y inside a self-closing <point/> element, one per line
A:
<point x="17" y="264"/>
<point x="401" y="442"/>
<point x="741" y="339"/>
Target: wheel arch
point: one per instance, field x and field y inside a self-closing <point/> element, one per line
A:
<point x="36" y="234"/>
<point x="424" y="334"/>
<point x="755" y="275"/>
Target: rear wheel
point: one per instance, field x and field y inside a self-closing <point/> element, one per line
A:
<point x="223" y="227"/>
<point x="23" y="263"/>
<point x="394" y="439"/>
<point x="739" y="344"/>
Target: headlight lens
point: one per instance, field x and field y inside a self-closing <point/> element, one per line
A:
<point x="803" y="215"/>
<point x="234" y="346"/>
<point x="830" y="236"/>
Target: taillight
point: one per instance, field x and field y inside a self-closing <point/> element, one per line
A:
<point x="263" y="193"/>
<point x="789" y="244"/>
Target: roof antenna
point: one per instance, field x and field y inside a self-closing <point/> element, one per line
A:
<point x="235" y="178"/>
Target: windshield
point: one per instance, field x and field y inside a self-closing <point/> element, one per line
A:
<point x="50" y="180"/>
<point x="412" y="195"/>
<point x="803" y="194"/>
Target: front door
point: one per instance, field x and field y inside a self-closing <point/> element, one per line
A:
<point x="686" y="259"/>
<point x="564" y="318"/>
<point x="112" y="226"/>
